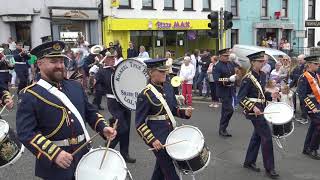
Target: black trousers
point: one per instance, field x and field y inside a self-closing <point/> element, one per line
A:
<point x="226" y="112"/>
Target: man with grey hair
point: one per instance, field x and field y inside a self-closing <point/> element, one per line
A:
<point x="294" y="76"/>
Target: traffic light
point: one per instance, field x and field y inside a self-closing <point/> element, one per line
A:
<point x="227" y="20"/>
<point x="214" y="24"/>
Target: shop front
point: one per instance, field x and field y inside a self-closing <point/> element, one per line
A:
<point x="159" y="36"/>
<point x="277" y="30"/>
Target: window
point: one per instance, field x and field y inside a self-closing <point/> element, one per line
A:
<point x="310" y="37"/>
<point x="311" y="9"/>
<point x="234" y="37"/>
<point x="264" y="8"/>
<point x="234" y="7"/>
<point x="188" y="5"/>
<point x="169" y="4"/>
<point x="284" y="12"/>
<point x="125" y="4"/>
<point x="206" y="5"/>
<point x="147" y="4"/>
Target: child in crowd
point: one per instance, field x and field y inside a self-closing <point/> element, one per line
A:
<point x="272" y="88"/>
<point x="286" y="95"/>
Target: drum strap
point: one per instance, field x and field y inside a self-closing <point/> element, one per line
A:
<point x="164" y="103"/>
<point x="66" y="101"/>
<point x="313" y="84"/>
<point x="256" y="83"/>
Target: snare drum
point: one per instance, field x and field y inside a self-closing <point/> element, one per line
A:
<point x="192" y="155"/>
<point x="11" y="148"/>
<point x="281" y="121"/>
<point x="114" y="166"/>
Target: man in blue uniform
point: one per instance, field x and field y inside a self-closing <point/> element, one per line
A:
<point x="21" y="66"/>
<point x="117" y="110"/>
<point x="224" y="75"/>
<point x="154" y="117"/>
<point x="308" y="90"/>
<point x="51" y="115"/>
<point x="253" y="99"/>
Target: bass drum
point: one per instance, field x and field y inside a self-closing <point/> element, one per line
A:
<point x="11" y="148"/>
<point x="129" y="79"/>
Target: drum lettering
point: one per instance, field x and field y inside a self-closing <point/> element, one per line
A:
<point x="120" y="72"/>
<point x="137" y="66"/>
<point x="128" y="100"/>
<point x="124" y="93"/>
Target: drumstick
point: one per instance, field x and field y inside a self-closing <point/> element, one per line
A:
<point x="107" y="147"/>
<point x="186" y="108"/>
<point x="4" y="107"/>
<point x="151" y="149"/>
<point x="83" y="145"/>
<point x="264" y="113"/>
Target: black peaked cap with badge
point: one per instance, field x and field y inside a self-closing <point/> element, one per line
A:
<point x="49" y="49"/>
<point x="225" y="51"/>
<point x="158" y="64"/>
<point x="312" y="59"/>
<point x="257" y="56"/>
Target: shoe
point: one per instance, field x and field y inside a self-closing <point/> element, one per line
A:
<point x="272" y="174"/>
<point x="252" y="167"/>
<point x="314" y="155"/>
<point x="306" y="151"/>
<point x="304" y="121"/>
<point x="128" y="159"/>
<point x="224" y="134"/>
<point x="211" y="105"/>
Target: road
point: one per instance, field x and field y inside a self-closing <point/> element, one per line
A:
<point x="227" y="154"/>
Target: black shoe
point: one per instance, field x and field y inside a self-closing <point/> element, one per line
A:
<point x="272" y="174"/>
<point x="314" y="155"/>
<point x="252" y="167"/>
<point x="224" y="134"/>
<point x="128" y="159"/>
<point x="306" y="151"/>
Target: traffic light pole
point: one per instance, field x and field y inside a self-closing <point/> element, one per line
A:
<point x="220" y="44"/>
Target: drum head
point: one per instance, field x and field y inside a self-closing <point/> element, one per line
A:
<point x="283" y="113"/>
<point x="129" y="79"/>
<point x="114" y="166"/>
<point x="4" y="129"/>
<point x="188" y="149"/>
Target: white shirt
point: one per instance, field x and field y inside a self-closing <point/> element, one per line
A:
<point x="169" y="64"/>
<point x="94" y="69"/>
<point x="287" y="98"/>
<point x="187" y="73"/>
<point x="144" y="54"/>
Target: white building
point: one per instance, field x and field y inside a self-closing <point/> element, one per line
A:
<point x="33" y="21"/>
<point x="160" y="25"/>
<point x="312" y="23"/>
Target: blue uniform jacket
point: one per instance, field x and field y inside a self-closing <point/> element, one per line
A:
<point x="222" y="72"/>
<point x="305" y="92"/>
<point x="248" y="89"/>
<point x="42" y="118"/>
<point x="149" y="105"/>
<point x="296" y="73"/>
<point x="18" y="58"/>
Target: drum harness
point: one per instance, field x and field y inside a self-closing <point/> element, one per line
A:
<point x="66" y="101"/>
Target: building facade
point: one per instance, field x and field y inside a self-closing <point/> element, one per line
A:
<point x="177" y="26"/>
<point x="312" y="23"/>
<point x="255" y="20"/>
<point x="34" y="21"/>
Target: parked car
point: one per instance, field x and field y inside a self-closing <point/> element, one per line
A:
<point x="242" y="51"/>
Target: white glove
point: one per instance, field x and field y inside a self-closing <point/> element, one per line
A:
<point x="233" y="78"/>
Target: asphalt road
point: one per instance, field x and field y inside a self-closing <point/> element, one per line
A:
<point x="227" y="154"/>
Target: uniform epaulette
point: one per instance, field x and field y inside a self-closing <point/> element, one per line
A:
<point x="145" y="90"/>
<point x="28" y="87"/>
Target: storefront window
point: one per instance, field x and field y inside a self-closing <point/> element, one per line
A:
<point x="264" y="8"/>
<point x="188" y="4"/>
<point x="206" y="5"/>
<point x="285" y="8"/>
<point x="311" y="9"/>
<point x="310" y="37"/>
<point x="234" y="7"/>
<point x="147" y="4"/>
<point x="125" y="4"/>
<point x="234" y="37"/>
<point x="23" y="33"/>
<point x="142" y="38"/>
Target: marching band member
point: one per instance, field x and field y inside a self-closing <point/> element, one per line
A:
<point x="117" y="110"/>
<point x="308" y="90"/>
<point x="155" y="108"/>
<point x="253" y="99"/>
<point x="225" y="89"/>
<point x="50" y="117"/>
<point x="5" y="95"/>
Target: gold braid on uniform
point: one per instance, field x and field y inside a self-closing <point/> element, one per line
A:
<point x="309" y="103"/>
<point x="44" y="147"/>
<point x="248" y="105"/>
<point x="145" y="133"/>
<point x="6" y="95"/>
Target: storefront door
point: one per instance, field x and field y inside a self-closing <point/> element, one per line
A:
<point x="23" y="33"/>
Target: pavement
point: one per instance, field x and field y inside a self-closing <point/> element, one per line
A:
<point x="227" y="153"/>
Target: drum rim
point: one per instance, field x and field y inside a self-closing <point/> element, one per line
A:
<point x="286" y="135"/>
<point x="205" y="165"/>
<point x="15" y="159"/>
<point x="202" y="142"/>
<point x="275" y="123"/>
<point x="5" y="130"/>
<point x="98" y="149"/>
<point x="112" y="82"/>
